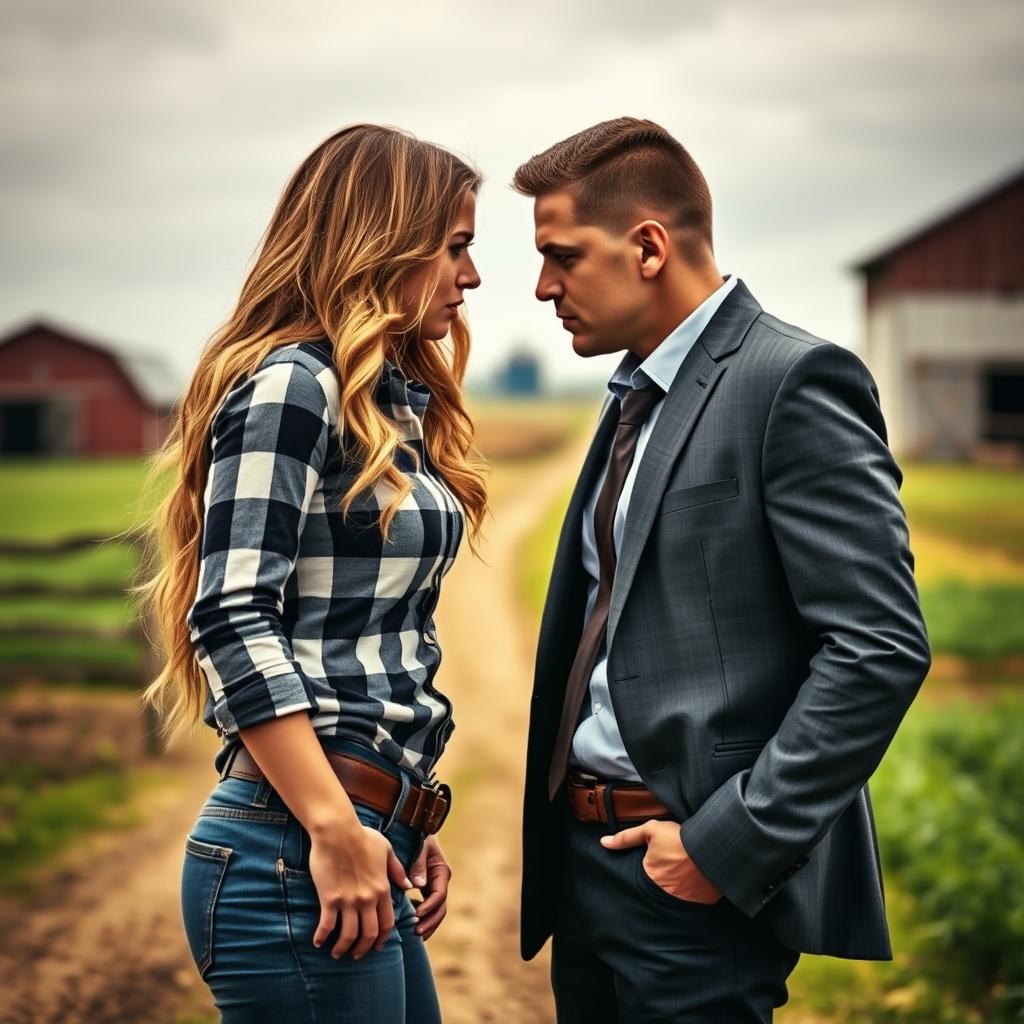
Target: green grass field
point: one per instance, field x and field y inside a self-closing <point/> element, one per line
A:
<point x="55" y="497"/>
<point x="981" y="506"/>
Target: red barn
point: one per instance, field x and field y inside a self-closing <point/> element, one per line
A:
<point x="62" y="394"/>
<point x="945" y="330"/>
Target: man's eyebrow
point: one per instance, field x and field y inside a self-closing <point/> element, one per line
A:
<point x="554" y="249"/>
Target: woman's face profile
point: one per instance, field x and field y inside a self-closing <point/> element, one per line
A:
<point x="457" y="273"/>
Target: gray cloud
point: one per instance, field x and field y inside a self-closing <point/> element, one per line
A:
<point x="121" y="29"/>
<point x="143" y="146"/>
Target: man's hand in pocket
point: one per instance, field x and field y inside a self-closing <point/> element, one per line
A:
<point x="666" y="861"/>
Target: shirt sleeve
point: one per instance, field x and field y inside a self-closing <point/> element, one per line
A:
<point x="269" y="444"/>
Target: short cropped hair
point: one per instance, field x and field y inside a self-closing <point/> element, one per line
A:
<point x="618" y="166"/>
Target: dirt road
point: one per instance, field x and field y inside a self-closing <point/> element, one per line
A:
<point x="104" y="943"/>
<point x="488" y="644"/>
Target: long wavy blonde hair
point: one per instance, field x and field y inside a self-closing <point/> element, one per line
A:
<point x="367" y="208"/>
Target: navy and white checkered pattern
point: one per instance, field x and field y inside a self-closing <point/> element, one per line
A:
<point x="298" y="610"/>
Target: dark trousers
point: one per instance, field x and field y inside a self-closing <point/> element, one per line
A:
<point x="626" y="950"/>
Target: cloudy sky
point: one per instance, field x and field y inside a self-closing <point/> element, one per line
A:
<point x="144" y="144"/>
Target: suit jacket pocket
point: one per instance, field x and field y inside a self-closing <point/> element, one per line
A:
<point x="735" y="748"/>
<point x="699" y="494"/>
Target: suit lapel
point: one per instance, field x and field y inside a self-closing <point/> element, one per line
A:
<point x="567" y="570"/>
<point x="689" y="393"/>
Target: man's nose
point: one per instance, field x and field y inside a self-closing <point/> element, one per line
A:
<point x="547" y="290"/>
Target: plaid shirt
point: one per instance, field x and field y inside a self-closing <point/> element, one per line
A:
<point x="296" y="610"/>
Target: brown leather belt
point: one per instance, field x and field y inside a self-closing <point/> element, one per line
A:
<point x="425" y="807"/>
<point x="589" y="798"/>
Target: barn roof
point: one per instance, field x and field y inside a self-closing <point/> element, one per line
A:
<point x="937" y="223"/>
<point x="150" y="374"/>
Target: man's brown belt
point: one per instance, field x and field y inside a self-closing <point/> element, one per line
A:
<point x="589" y="799"/>
<point x="424" y="808"/>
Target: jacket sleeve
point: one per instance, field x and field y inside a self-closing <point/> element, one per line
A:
<point x="831" y="498"/>
<point x="269" y="444"/>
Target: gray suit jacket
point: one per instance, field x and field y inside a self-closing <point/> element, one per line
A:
<point x="765" y="637"/>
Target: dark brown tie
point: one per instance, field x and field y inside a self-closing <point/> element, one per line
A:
<point x="633" y="413"/>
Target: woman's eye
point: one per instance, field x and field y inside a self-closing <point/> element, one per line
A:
<point x="458" y="250"/>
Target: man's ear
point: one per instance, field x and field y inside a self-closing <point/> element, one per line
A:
<point x="652" y="241"/>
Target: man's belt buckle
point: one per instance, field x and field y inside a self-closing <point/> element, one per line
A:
<point x="438" y="804"/>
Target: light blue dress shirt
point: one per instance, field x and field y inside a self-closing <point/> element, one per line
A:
<point x="597" y="745"/>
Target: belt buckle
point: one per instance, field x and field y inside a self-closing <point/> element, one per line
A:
<point x="438" y="807"/>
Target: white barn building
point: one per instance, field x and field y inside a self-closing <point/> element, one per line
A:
<point x="945" y="331"/>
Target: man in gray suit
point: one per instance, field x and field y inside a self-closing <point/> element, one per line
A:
<point x="732" y="632"/>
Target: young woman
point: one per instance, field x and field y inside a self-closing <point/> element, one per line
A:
<point x="325" y="473"/>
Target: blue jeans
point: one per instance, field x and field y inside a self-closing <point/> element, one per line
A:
<point x="250" y="908"/>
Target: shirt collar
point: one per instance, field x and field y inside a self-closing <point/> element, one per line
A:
<point x="402" y="390"/>
<point x="662" y="365"/>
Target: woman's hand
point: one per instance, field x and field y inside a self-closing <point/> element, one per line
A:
<point x="352" y="869"/>
<point x="431" y="874"/>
